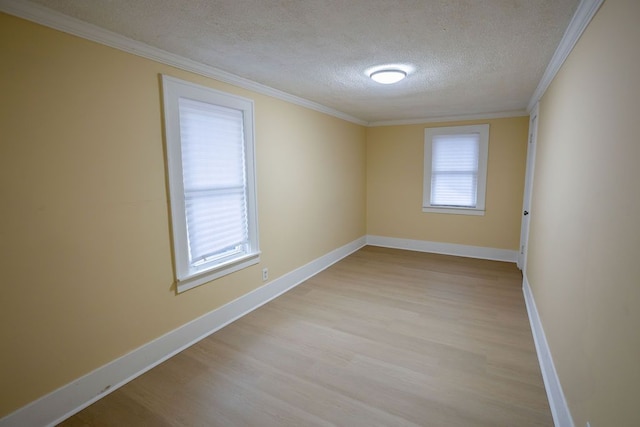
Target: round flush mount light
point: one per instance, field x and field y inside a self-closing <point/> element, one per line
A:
<point x="387" y="77"/>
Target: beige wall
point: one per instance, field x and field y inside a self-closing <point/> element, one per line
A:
<point x="84" y="238"/>
<point x="394" y="187"/>
<point x="584" y="248"/>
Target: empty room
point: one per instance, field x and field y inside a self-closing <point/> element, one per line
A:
<point x="320" y="213"/>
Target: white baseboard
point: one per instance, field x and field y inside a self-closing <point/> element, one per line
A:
<point x="77" y="395"/>
<point x="557" y="402"/>
<point x="444" y="248"/>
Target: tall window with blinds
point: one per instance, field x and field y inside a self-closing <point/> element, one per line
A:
<point x="455" y="169"/>
<point x="212" y="181"/>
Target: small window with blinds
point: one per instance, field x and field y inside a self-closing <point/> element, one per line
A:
<point x="210" y="156"/>
<point x="455" y="169"/>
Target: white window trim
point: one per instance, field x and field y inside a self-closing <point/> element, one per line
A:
<point x="429" y="133"/>
<point x="188" y="277"/>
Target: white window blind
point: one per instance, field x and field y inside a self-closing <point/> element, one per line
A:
<point x="454" y="170"/>
<point x="214" y="180"/>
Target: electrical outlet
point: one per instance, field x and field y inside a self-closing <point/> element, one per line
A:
<point x="265" y="274"/>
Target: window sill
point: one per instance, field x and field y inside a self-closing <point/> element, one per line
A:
<point x="455" y="211"/>
<point x="202" y="277"/>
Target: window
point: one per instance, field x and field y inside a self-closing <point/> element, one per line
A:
<point x="455" y="169"/>
<point x="210" y="158"/>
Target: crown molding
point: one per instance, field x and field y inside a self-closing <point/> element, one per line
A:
<point x="581" y="18"/>
<point x="56" y="20"/>
<point x="59" y="21"/>
<point x="458" y="118"/>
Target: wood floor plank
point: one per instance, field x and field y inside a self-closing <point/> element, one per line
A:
<point x="384" y="337"/>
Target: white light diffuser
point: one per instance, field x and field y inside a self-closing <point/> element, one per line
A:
<point x="387" y="77"/>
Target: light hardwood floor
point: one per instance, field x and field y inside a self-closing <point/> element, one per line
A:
<point x="383" y="338"/>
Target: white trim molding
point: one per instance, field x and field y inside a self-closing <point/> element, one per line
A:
<point x="446" y="119"/>
<point x="581" y="18"/>
<point x="444" y="248"/>
<point x="56" y="20"/>
<point x="62" y="403"/>
<point x="59" y="21"/>
<point x="557" y="402"/>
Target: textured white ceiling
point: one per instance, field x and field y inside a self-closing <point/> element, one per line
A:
<point x="465" y="57"/>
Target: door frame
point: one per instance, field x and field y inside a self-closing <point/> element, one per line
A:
<point x="528" y="188"/>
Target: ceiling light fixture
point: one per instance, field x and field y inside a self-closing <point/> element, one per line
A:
<point x="387" y="77"/>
